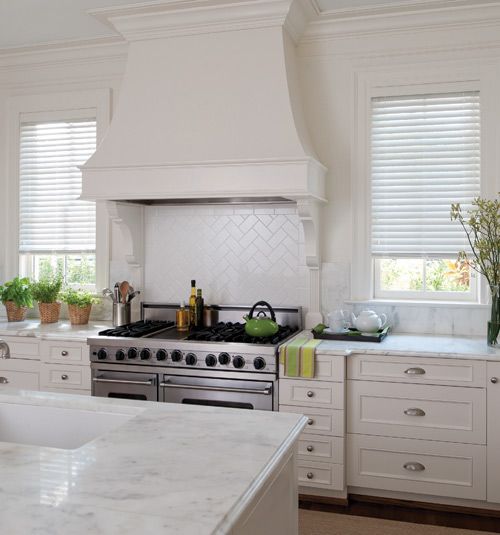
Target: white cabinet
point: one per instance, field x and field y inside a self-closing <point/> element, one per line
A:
<point x="322" y="443"/>
<point x="493" y="425"/>
<point x="19" y="374"/>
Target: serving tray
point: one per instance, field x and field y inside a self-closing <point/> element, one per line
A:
<point x="353" y="335"/>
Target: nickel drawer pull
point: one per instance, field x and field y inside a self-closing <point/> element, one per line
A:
<point x="414" y="467"/>
<point x="64" y="353"/>
<point x="266" y="391"/>
<point x="3" y="380"/>
<point x="64" y="376"/>
<point x="310" y="421"/>
<point x="309" y="475"/>
<point x="310" y="448"/>
<point x="414" y="412"/>
<point x="122" y="381"/>
<point x="415" y="371"/>
<point x="310" y="394"/>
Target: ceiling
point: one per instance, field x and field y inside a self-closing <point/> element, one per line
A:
<point x="25" y="23"/>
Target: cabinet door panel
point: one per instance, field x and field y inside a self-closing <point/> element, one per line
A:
<point x="493" y="438"/>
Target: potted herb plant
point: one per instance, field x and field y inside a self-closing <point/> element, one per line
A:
<point x="482" y="227"/>
<point x="46" y="291"/>
<point x="17" y="298"/>
<point x="79" y="305"/>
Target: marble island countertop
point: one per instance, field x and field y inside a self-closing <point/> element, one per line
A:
<point x="170" y="469"/>
<point x="414" y="345"/>
<point x="62" y="330"/>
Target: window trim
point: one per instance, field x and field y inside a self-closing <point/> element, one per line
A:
<point x="403" y="80"/>
<point x="97" y="102"/>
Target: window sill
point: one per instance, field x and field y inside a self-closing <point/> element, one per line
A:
<point x="405" y="303"/>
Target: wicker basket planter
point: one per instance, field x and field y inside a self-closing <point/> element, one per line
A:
<point x="49" y="312"/>
<point x="79" y="315"/>
<point x="15" y="313"/>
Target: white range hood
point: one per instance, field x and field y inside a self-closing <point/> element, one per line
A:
<point x="209" y="106"/>
<point x="209" y="111"/>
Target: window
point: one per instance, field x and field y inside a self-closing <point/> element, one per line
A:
<point x="425" y="154"/>
<point x="57" y="231"/>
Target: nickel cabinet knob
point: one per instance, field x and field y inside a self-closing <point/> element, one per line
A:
<point x="310" y="394"/>
<point x="310" y="421"/>
<point x="310" y="448"/>
<point x="494" y="380"/>
<point x="309" y="475"/>
<point x="414" y="467"/>
<point x="64" y="377"/>
<point x="64" y="353"/>
<point x="3" y="380"/>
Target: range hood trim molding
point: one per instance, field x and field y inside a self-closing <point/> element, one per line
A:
<point x="157" y="20"/>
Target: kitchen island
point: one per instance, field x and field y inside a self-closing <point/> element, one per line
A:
<point x="153" y="468"/>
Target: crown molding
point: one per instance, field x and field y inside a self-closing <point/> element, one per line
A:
<point x="165" y="18"/>
<point x="414" y="16"/>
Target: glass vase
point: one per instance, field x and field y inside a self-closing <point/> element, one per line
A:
<point x="494" y="323"/>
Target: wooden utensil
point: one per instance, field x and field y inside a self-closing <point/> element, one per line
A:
<point x="124" y="288"/>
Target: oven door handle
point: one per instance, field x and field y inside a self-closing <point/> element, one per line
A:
<point x="265" y="392"/>
<point x="151" y="382"/>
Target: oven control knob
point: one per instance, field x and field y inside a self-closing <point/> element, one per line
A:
<point x="224" y="358"/>
<point x="238" y="362"/>
<point x="211" y="360"/>
<point x="120" y="355"/>
<point x="102" y="354"/>
<point x="132" y="353"/>
<point x="191" y="359"/>
<point x="145" y="354"/>
<point x="259" y="363"/>
<point x="176" y="355"/>
<point x="161" y="354"/>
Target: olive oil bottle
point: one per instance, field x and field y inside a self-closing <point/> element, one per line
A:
<point x="198" y="310"/>
<point x="192" y="303"/>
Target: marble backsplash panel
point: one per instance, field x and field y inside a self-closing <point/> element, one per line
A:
<point x="452" y="319"/>
<point x="238" y="255"/>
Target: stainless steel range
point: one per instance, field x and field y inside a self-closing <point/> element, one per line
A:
<point x="218" y="365"/>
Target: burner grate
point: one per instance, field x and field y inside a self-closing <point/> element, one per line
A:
<point x="235" y="332"/>
<point x="137" y="329"/>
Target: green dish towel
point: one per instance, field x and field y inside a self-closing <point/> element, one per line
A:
<point x="297" y="357"/>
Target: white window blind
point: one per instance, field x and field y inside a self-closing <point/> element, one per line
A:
<point x="425" y="155"/>
<point x="52" y="218"/>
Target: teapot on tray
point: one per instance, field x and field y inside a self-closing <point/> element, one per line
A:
<point x="368" y="321"/>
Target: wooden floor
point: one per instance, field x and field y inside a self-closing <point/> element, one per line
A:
<point x="404" y="511"/>
<point x="321" y="523"/>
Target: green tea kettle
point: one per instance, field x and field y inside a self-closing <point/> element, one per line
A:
<point x="261" y="325"/>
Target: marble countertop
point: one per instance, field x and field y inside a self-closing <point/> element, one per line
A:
<point x="414" y="345"/>
<point x="170" y="469"/>
<point x="62" y="330"/>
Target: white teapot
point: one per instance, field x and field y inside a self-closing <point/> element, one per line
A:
<point x="368" y="321"/>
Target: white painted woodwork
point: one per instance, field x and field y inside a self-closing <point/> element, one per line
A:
<point x="72" y="391"/>
<point x="321" y="475"/>
<point x="452" y="470"/>
<point x="64" y="352"/>
<point x="326" y="368"/>
<point x="493" y="410"/>
<point x="454" y="372"/>
<point x="19" y="374"/>
<point x="330" y="422"/>
<point x="451" y="414"/>
<point x="60" y="375"/>
<point x="311" y="393"/>
<point x="321" y="448"/>
<point x="22" y="347"/>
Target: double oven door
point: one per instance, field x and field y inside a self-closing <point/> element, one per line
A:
<point x="190" y="387"/>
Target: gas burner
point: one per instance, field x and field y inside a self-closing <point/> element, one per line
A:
<point x="138" y="329"/>
<point x="235" y="332"/>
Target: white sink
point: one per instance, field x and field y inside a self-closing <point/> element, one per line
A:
<point x="54" y="427"/>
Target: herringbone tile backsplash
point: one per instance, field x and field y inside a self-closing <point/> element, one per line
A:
<point x="238" y="255"/>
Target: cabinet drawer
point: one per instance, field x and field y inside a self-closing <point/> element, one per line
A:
<point x="320" y="475"/>
<point x="321" y="448"/>
<point x="454" y="372"/>
<point x="22" y="348"/>
<point x="21" y="380"/>
<point x="58" y="375"/>
<point x="326" y="368"/>
<point x="311" y="393"/>
<point x="64" y="352"/>
<point x="417" y="466"/>
<point x="452" y="414"/>
<point x="320" y="421"/>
